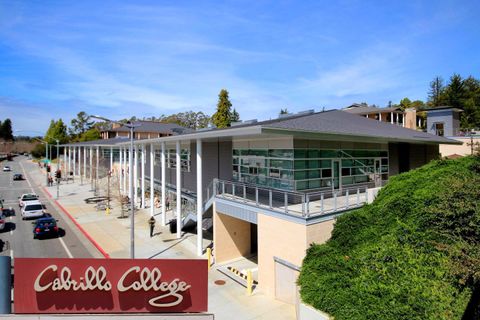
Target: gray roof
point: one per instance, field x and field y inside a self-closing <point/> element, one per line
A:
<point x="329" y="125"/>
<point x="99" y="143"/>
<point x="337" y="122"/>
<point x="443" y="108"/>
<point x="154" y="126"/>
<point x="369" y="110"/>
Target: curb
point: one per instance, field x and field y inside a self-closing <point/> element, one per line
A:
<point x="95" y="244"/>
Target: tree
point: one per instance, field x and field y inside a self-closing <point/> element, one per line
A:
<point x="405" y="103"/>
<point x="435" y="93"/>
<point x="81" y="124"/>
<point x="223" y="117"/>
<point x="235" y="116"/>
<point x="418" y="105"/>
<point x="190" y="119"/>
<point x="455" y="92"/>
<point x="284" y="111"/>
<point x="90" y="135"/>
<point x="6" y="132"/>
<point x="56" y="131"/>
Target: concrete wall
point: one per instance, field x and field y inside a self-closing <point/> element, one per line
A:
<point x="410" y="118"/>
<point x="393" y="160"/>
<point x="231" y="237"/>
<point x="463" y="150"/>
<point x="421" y="154"/>
<point x="445" y="116"/>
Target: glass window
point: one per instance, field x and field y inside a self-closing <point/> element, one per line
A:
<point x="314" y="184"/>
<point x="313" y="174"/>
<point x="328" y="154"/>
<point x="312" y="153"/>
<point x="300" y="153"/>
<point x="385" y="161"/>
<point x="347" y="163"/>
<point x="439" y="129"/>
<point x="300" y="175"/>
<point x="347" y="180"/>
<point x="326" y="173"/>
<point x="345" y="171"/>
<point x="301" y="164"/>
<point x="325" y="163"/>
<point x="302" y="185"/>
<point x="312" y="164"/>
<point x="275" y="173"/>
<point x="280" y="153"/>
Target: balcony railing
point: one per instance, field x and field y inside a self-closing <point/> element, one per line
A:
<point x="290" y="202"/>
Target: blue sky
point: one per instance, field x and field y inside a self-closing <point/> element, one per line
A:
<point x="147" y="58"/>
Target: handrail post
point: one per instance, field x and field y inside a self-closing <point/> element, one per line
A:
<point x="303" y="205"/>
<point x="346" y="198"/>
<point x="358" y="196"/>
<point x="335" y="202"/>
<point x="233" y="189"/>
<point x="285" y="199"/>
<point x="245" y="193"/>
<point x="223" y="187"/>
<point x="270" y="198"/>
<point x="256" y="196"/>
<point x="321" y="202"/>
<point x="308" y="205"/>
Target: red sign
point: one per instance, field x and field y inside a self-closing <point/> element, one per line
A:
<point x="110" y="285"/>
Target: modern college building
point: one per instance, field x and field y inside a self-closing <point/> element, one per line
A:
<point x="268" y="189"/>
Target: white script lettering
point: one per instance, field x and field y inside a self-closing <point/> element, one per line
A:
<point x="93" y="280"/>
<point x="151" y="280"/>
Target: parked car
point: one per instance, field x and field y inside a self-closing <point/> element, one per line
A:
<point x="33" y="209"/>
<point x="2" y="221"/>
<point x="26" y="197"/>
<point x="18" y="176"/>
<point x="7" y="169"/>
<point x="45" y="227"/>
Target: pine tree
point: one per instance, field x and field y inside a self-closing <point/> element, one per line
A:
<point x="235" y="116"/>
<point x="435" y="93"/>
<point x="455" y="93"/>
<point x="223" y="117"/>
<point x="6" y="132"/>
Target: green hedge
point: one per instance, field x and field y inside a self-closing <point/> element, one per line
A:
<point x="414" y="253"/>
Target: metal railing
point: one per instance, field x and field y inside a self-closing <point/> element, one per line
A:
<point x="291" y="202"/>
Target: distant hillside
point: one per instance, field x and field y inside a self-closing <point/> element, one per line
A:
<point x="412" y="254"/>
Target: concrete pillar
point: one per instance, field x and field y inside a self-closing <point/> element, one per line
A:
<point x="69" y="160"/>
<point x="97" y="163"/>
<point x="130" y="160"/>
<point x="120" y="171"/>
<point x="396" y="115"/>
<point x="91" y="164"/>
<point x="135" y="173"/>
<point x="403" y="120"/>
<point x="379" y="117"/>
<point x="391" y="117"/>
<point x="164" y="189"/>
<point x="152" y="178"/>
<point x="111" y="159"/>
<point x="79" y="157"/>
<point x="143" y="176"/>
<point x="85" y="162"/>
<point x="125" y="164"/>
<point x="199" y="199"/>
<point x="178" y="167"/>
<point x="74" y="161"/>
<point x="64" y="160"/>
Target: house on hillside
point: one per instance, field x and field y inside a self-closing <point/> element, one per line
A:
<point x="144" y="130"/>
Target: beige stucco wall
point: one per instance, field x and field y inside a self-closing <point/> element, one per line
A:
<point x="231" y="237"/>
<point x="320" y="232"/>
<point x="463" y="150"/>
<point x="410" y="119"/>
<point x="278" y="238"/>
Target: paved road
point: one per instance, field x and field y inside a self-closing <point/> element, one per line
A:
<point x="17" y="238"/>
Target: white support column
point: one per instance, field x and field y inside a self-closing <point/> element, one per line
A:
<point x="74" y="161"/>
<point x="403" y="120"/>
<point x="379" y="116"/>
<point x="111" y="159"/>
<point x="85" y="162"/>
<point x="178" y="166"/>
<point x="135" y="173"/>
<point x="69" y="160"/>
<point x="143" y="176"/>
<point x="97" y="163"/>
<point x="199" y="199"/>
<point x="64" y="161"/>
<point x="79" y="160"/>
<point x="91" y="164"/>
<point x="164" y="189"/>
<point x="130" y="186"/>
<point x="396" y="117"/>
<point x="125" y="171"/>
<point x="152" y="178"/>
<point x="391" y="117"/>
<point x="120" y="170"/>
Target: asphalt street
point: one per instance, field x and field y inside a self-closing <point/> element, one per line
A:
<point x="16" y="239"/>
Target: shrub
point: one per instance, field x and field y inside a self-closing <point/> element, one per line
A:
<point x="411" y="254"/>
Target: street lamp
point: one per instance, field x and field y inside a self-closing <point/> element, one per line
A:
<point x="131" y="126"/>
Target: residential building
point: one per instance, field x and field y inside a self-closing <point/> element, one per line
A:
<point x="144" y="130"/>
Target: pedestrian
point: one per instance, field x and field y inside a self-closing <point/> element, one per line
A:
<point x="167" y="204"/>
<point x="151" y="222"/>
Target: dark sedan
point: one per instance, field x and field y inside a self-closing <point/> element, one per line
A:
<point x="18" y="176"/>
<point x="45" y="227"/>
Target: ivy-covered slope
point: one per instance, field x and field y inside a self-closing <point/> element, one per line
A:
<point x="414" y="253"/>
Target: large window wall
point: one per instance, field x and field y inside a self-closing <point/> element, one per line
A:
<point x="309" y="169"/>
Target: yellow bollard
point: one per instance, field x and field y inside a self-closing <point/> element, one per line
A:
<point x="249" y="282"/>
<point x="107" y="211"/>
<point x="209" y="257"/>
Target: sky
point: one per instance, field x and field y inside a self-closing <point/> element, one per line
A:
<point x="139" y="58"/>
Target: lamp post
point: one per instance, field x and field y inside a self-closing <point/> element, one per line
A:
<point x="131" y="126"/>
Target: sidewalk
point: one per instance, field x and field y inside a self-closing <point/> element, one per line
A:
<point x="228" y="301"/>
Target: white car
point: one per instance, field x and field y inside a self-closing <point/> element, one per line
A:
<point x="2" y="221"/>
<point x="33" y="209"/>
<point x="6" y="169"/>
<point x="27" y="197"/>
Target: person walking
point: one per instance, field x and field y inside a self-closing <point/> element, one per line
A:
<point x="151" y="222"/>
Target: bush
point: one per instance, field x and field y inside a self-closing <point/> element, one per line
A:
<point x="412" y="254"/>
